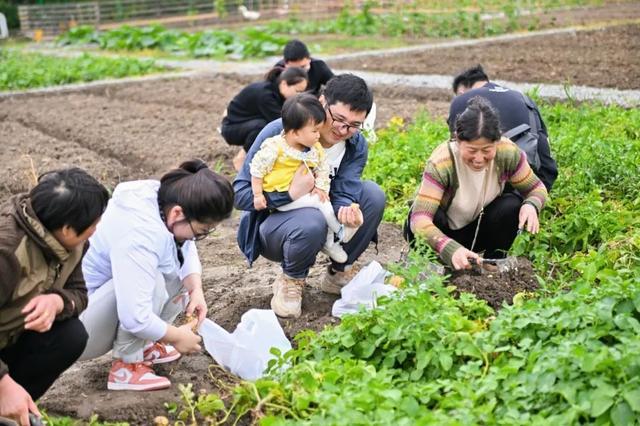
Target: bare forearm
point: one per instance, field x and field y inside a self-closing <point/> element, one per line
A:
<point x="256" y="185"/>
<point x="192" y="282"/>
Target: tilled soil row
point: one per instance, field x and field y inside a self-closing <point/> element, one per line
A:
<point x="598" y="58"/>
<point x="137" y="131"/>
<point x="27" y="152"/>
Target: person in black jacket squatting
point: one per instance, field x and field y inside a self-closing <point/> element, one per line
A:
<point x="296" y="54"/>
<point x="258" y="104"/>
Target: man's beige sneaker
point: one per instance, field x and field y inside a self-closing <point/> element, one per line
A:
<point x="287" y="296"/>
<point x="333" y="281"/>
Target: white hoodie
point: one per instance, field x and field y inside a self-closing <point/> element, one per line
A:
<point x="132" y="245"/>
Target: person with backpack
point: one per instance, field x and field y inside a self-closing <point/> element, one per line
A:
<point x="461" y="208"/>
<point x="42" y="290"/>
<point x="520" y="119"/>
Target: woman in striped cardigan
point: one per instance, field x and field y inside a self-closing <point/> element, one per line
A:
<point x="461" y="208"/>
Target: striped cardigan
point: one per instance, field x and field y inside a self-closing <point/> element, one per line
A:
<point x="439" y="185"/>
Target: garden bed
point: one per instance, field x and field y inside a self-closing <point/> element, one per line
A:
<point x="140" y="130"/>
<point x="596" y="58"/>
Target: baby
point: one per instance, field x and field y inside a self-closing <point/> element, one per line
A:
<point x="274" y="165"/>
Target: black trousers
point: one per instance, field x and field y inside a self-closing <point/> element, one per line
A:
<point x="498" y="227"/>
<point x="36" y="360"/>
<point x="242" y="133"/>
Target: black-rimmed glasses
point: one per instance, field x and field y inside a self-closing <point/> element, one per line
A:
<point x="343" y="125"/>
<point x="199" y="236"/>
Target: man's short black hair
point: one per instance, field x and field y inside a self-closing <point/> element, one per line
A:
<point x="469" y="77"/>
<point x="68" y="197"/>
<point x="295" y="50"/>
<point x="301" y="109"/>
<point x="351" y="90"/>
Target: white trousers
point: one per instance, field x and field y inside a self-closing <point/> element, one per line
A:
<point x="309" y="200"/>
<point x="102" y="324"/>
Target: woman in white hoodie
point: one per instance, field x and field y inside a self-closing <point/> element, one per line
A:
<point x="142" y="269"/>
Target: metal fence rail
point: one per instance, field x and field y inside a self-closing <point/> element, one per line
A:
<point x="53" y="19"/>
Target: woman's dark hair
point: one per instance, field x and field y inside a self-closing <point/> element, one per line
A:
<point x="68" y="197"/>
<point x="299" y="110"/>
<point x="351" y="90"/>
<point x="204" y="195"/>
<point x="478" y="120"/>
<point x="291" y="75"/>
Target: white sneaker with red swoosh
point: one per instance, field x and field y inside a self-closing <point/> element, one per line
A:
<point x="159" y="353"/>
<point x="137" y="376"/>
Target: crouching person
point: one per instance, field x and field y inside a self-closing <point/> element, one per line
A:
<point x="142" y="269"/>
<point x="42" y="292"/>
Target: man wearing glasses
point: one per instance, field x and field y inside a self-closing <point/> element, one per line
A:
<point x="295" y="237"/>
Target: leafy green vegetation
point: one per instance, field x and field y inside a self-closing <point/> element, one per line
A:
<point x="459" y="19"/>
<point x="30" y="70"/>
<point x="250" y="43"/>
<point x="387" y="27"/>
<point x="68" y="421"/>
<point x="567" y="355"/>
<point x="413" y="24"/>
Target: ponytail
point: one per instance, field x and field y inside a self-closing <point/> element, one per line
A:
<point x="204" y="195"/>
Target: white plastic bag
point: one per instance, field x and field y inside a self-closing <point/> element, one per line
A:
<point x="363" y="290"/>
<point x="245" y="352"/>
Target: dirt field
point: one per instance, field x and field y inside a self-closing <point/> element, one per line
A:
<point x="599" y="58"/>
<point x="140" y="131"/>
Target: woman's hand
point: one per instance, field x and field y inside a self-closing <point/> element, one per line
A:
<point x="463" y="257"/>
<point x="322" y="195"/>
<point x="351" y="216"/>
<point x="529" y="216"/>
<point x="183" y="338"/>
<point x="41" y="311"/>
<point x="15" y="401"/>
<point x="197" y="305"/>
<point x="303" y="183"/>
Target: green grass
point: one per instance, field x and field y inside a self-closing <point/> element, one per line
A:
<point x="20" y="71"/>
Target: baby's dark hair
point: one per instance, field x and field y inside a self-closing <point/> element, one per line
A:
<point x="301" y="109"/>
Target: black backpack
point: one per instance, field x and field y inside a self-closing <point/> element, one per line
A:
<point x="526" y="136"/>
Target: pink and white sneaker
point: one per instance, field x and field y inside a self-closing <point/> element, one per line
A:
<point x="137" y="376"/>
<point x="159" y="353"/>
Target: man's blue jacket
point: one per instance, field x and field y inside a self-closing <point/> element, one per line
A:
<point x="346" y="188"/>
